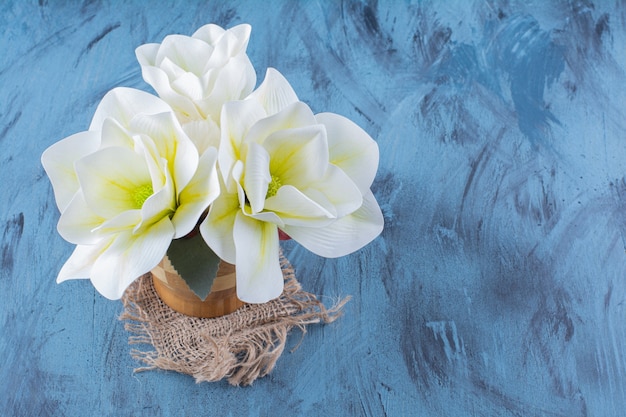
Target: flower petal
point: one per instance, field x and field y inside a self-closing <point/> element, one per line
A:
<point x="351" y="149"/>
<point x="227" y="44"/>
<point x="217" y="228"/>
<point x="158" y="166"/>
<point x="79" y="264"/>
<point x="338" y="189"/>
<point x="162" y="203"/>
<point x="299" y="156"/>
<point x="129" y="257"/>
<point x="78" y="221"/>
<point x="203" y="133"/>
<point x="237" y="117"/>
<point x="114" y="134"/>
<point x="257" y="176"/>
<point x="267" y="216"/>
<point x="259" y="277"/>
<point x="237" y="174"/>
<point x="109" y="179"/>
<point x="58" y="162"/>
<point x="233" y="81"/>
<point x="210" y="33"/>
<point x="296" y="115"/>
<point x="188" y="53"/>
<point x="185" y="109"/>
<point x="201" y="191"/>
<point x="146" y="54"/>
<point x="122" y="104"/>
<point x="125" y="221"/>
<point x="188" y="85"/>
<point x="346" y="235"/>
<point x="171" y="68"/>
<point x="172" y="144"/>
<point x="275" y="93"/>
<point x="295" y="208"/>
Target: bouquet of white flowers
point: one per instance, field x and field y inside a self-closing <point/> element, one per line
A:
<point x="209" y="170"/>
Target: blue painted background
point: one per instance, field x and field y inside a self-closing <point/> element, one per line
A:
<point x="498" y="285"/>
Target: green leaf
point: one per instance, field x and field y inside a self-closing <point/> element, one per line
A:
<point x="195" y="262"/>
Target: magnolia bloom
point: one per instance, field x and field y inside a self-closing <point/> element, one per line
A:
<point x="126" y="188"/>
<point x="196" y="75"/>
<point x="285" y="168"/>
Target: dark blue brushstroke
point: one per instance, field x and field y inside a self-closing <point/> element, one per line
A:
<point x="101" y="35"/>
<point x="11" y="237"/>
<point x="517" y="51"/>
<point x="532" y="63"/>
<point x="9" y="125"/>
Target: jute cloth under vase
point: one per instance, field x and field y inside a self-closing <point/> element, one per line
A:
<point x="241" y="346"/>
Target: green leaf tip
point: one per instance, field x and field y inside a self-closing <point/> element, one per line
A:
<point x="195" y="262"/>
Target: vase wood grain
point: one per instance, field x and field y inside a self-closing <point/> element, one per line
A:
<point x="174" y="292"/>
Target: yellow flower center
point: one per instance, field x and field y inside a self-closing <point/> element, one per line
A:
<point x="141" y="194"/>
<point x="273" y="187"/>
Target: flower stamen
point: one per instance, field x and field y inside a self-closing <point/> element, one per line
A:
<point x="273" y="187"/>
<point x="141" y="194"/>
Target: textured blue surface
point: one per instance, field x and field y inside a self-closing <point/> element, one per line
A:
<point x="498" y="285"/>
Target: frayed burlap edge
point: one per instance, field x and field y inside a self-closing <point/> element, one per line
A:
<point x="241" y="346"/>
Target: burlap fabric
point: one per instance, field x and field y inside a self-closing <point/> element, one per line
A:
<point x="241" y="346"/>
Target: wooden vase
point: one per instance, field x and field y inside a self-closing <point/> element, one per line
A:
<point x="174" y="292"/>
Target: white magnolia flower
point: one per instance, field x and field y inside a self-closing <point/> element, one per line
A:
<point x="196" y="75"/>
<point x="126" y="188"/>
<point x="285" y="168"/>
